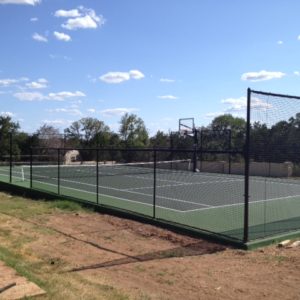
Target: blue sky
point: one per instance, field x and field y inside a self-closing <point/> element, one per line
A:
<point x="163" y="60"/>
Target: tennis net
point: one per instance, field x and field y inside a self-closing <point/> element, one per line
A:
<point x="104" y="169"/>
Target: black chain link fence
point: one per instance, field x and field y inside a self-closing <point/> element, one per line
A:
<point x="239" y="184"/>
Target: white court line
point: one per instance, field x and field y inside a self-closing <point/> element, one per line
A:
<point x="172" y="199"/>
<point x="132" y="192"/>
<point x="242" y="203"/>
<point x="179" y="184"/>
<point x="110" y="196"/>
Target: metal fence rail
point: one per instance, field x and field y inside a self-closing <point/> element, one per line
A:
<point x="239" y="184"/>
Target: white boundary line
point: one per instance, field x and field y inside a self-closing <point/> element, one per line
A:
<point x="110" y="196"/>
<point x="124" y="190"/>
<point x="168" y="198"/>
<point x="242" y="203"/>
<point x="183" y="183"/>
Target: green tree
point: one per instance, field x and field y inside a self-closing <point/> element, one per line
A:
<point x="160" y="140"/>
<point x="7" y="128"/>
<point x="88" y="132"/>
<point x="236" y="125"/>
<point x="133" y="131"/>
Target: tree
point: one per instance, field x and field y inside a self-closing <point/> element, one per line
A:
<point x="8" y="128"/>
<point x="133" y="131"/>
<point x="49" y="137"/>
<point x="89" y="132"/>
<point x="236" y="125"/>
<point x="160" y="139"/>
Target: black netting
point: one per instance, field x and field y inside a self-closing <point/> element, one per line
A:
<point x="274" y="185"/>
<point x="5" y="157"/>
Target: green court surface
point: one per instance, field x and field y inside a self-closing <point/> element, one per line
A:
<point x="210" y="202"/>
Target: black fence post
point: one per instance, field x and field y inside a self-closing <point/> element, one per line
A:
<point x="229" y="147"/>
<point x="154" y="183"/>
<point x="201" y="149"/>
<point x="10" y="156"/>
<point x="247" y="166"/>
<point x="58" y="171"/>
<point x="97" y="176"/>
<point x="30" y="168"/>
<point x="195" y="150"/>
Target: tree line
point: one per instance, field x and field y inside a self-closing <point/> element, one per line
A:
<point x="277" y="143"/>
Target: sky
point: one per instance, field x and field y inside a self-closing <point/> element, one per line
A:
<point x="61" y="61"/>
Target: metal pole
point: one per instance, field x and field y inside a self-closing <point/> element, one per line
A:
<point x="195" y="150"/>
<point x="58" y="171"/>
<point x="10" y="156"/>
<point x="154" y="184"/>
<point x="229" y="146"/>
<point x="172" y="145"/>
<point x="30" y="167"/>
<point x="247" y="164"/>
<point x="97" y="176"/>
<point x="201" y="149"/>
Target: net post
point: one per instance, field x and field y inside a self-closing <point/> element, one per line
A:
<point x="10" y="156"/>
<point x="247" y="164"/>
<point x="58" y="171"/>
<point x="154" y="183"/>
<point x="30" y="168"/>
<point x="97" y="175"/>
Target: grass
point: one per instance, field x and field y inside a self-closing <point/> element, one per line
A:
<point x="46" y="272"/>
<point x="17" y="207"/>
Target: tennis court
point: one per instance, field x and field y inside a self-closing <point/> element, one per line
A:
<point x="208" y="201"/>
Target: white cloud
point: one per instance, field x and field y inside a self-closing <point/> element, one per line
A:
<point x="7" y="114"/>
<point x="58" y="122"/>
<point x="279" y="42"/>
<point x="115" y="77"/>
<point x="73" y="13"/>
<point x="62" y="36"/>
<point x="111" y="112"/>
<point x="240" y="104"/>
<point x="168" y="97"/>
<point x="35" y="96"/>
<point x="26" y="2"/>
<point x="136" y="74"/>
<point x="91" y="110"/>
<point x="262" y="75"/>
<point x="10" y="81"/>
<point x="70" y="111"/>
<point x="85" y="19"/>
<point x="29" y="96"/>
<point x="61" y="96"/>
<point x="236" y="104"/>
<point x="297" y="73"/>
<point x="118" y="77"/>
<point x="39" y="38"/>
<point x="167" y="80"/>
<point x="34" y="19"/>
<point x="259" y="104"/>
<point x="41" y="83"/>
<point x="7" y="82"/>
<point x="214" y="114"/>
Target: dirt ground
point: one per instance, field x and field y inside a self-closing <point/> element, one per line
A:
<point x="78" y="251"/>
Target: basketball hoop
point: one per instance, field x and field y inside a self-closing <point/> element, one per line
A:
<point x="184" y="133"/>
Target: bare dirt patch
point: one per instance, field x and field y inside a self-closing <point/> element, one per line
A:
<point x="95" y="256"/>
<point x="14" y="286"/>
